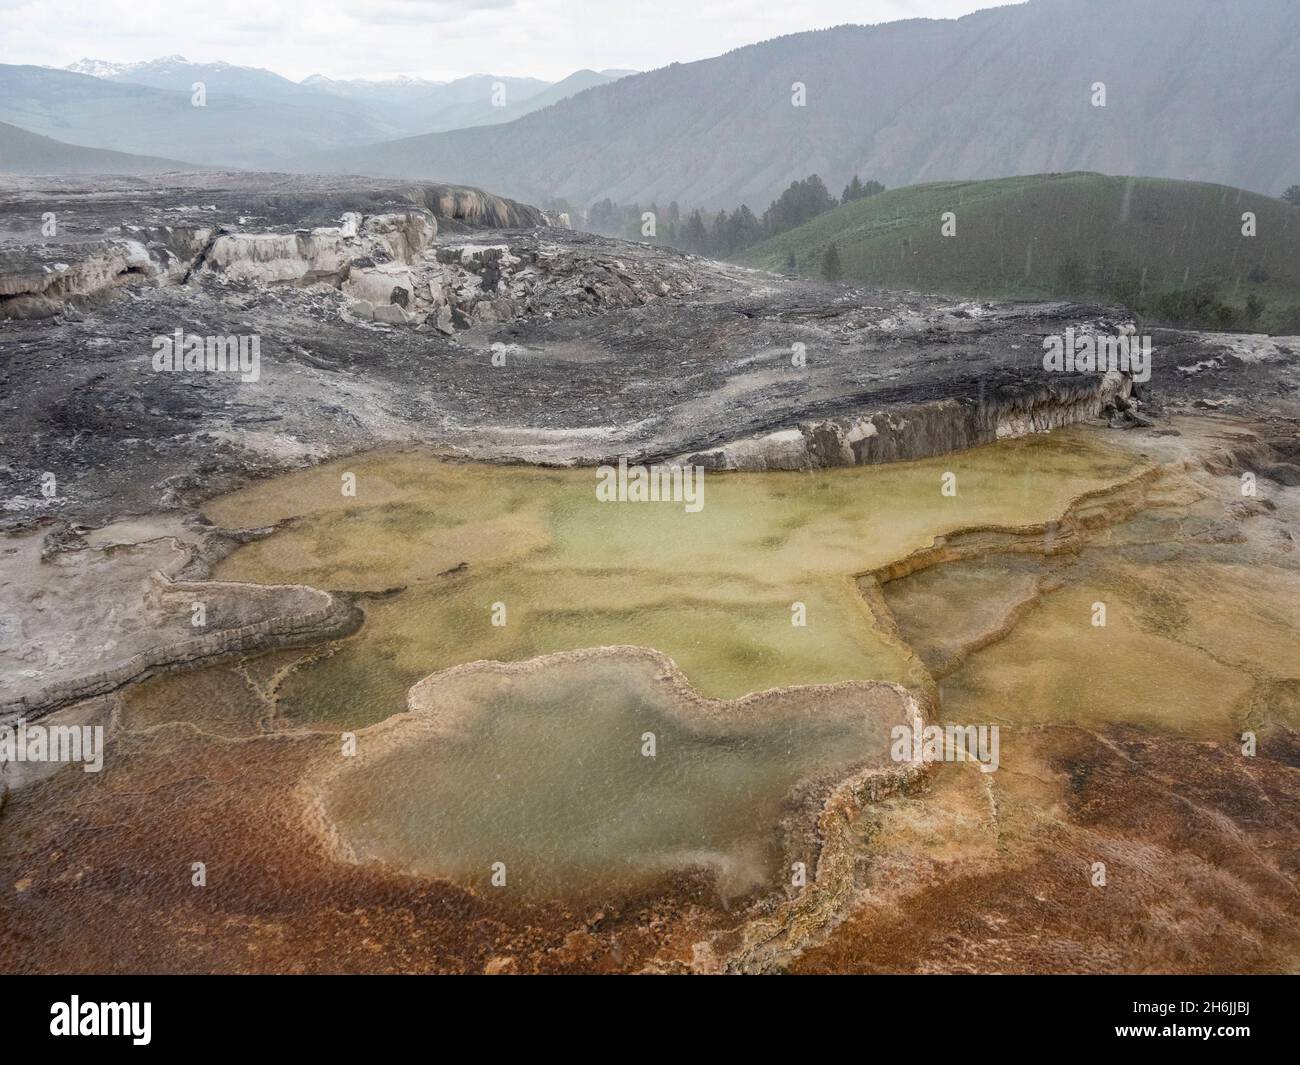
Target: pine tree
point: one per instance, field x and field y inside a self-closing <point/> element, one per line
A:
<point x="697" y="238"/>
<point x="718" y="244"/>
<point x="791" y="265"/>
<point x="802" y="201"/>
<point x="818" y="197"/>
<point x="744" y="229"/>
<point x="831" y="270"/>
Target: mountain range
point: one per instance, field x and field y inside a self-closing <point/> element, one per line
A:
<point x="406" y="104"/>
<point x="1194" y="89"/>
<point x="1188" y="89"/>
<point x="252" y="117"/>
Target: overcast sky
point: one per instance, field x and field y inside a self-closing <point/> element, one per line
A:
<point x="439" y="39"/>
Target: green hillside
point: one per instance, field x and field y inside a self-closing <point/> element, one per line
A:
<point x="1171" y="250"/>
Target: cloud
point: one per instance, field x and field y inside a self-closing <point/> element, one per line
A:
<point x="429" y="11"/>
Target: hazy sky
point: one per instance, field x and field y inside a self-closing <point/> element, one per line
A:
<point x="433" y="38"/>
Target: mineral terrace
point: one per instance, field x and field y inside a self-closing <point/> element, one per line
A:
<point x="394" y="316"/>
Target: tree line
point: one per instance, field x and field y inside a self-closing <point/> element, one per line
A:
<point x="717" y="234"/>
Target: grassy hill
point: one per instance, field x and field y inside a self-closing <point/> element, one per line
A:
<point x="1172" y="250"/>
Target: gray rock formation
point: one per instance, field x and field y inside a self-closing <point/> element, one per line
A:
<point x="536" y="344"/>
<point x="297" y="236"/>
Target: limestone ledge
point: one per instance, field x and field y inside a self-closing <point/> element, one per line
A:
<point x="334" y="620"/>
<point x="83" y="620"/>
<point x="918" y="431"/>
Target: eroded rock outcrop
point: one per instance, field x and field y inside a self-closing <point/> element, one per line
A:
<point x="466" y="284"/>
<point x="266" y="239"/>
<point x="474" y="207"/>
<point x="327" y="254"/>
<point x="920" y="430"/>
<point x="37" y="282"/>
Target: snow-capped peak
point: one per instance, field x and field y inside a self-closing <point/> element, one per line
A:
<point x="99" y="68"/>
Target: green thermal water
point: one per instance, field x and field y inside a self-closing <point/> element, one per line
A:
<point x="713" y="590"/>
<point x="1199" y="636"/>
<point x="548" y="775"/>
<point x="552" y="777"/>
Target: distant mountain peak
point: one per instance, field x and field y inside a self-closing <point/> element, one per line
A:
<point x="388" y="80"/>
<point x="103" y="68"/>
<point x="408" y="79"/>
<point x="99" y="68"/>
